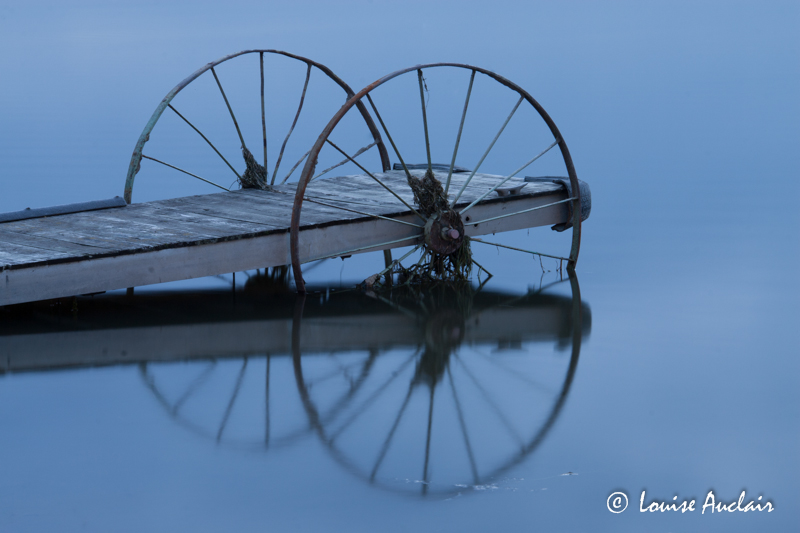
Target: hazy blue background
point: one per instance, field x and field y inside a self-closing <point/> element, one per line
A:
<point x="682" y="116"/>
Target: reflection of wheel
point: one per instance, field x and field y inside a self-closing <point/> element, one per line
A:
<point x="245" y="402"/>
<point x="239" y="402"/>
<point x="445" y="416"/>
<point x="257" y="173"/>
<point x="413" y="127"/>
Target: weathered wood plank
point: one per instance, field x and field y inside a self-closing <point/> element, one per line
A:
<point x="257" y="204"/>
<point x="140" y="225"/>
<point x="243" y="210"/>
<point x="47" y="243"/>
<point x="123" y="233"/>
<point x="161" y="218"/>
<point x="233" y="214"/>
<point x="67" y="234"/>
<point x="17" y="254"/>
<point x="210" y="223"/>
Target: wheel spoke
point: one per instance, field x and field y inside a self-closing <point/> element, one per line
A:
<point x="361" y="249"/>
<point x="428" y="442"/>
<point x="414" y="274"/>
<point x="388" y="440"/>
<point x="341" y="369"/>
<point x="540" y="289"/>
<point x="295" y="167"/>
<point x="150" y="381"/>
<point x="523" y="211"/>
<point x="458" y="137"/>
<point x="538" y="386"/>
<point x="484" y="282"/>
<point x="343" y="161"/>
<point x="193" y="386"/>
<point x="473" y="239"/>
<point x="483" y="268"/>
<point x="463" y="425"/>
<point x="354" y="387"/>
<point x="230" y="110"/>
<point x="263" y="114"/>
<point x="235" y="394"/>
<point x="424" y="119"/>
<point x="266" y="384"/>
<point x="206" y="140"/>
<point x="376" y="179"/>
<point x="296" y="116"/>
<point x="371" y="400"/>
<point x="388" y="136"/>
<point x="388" y="267"/>
<point x="185" y="172"/>
<point x="486" y="153"/>
<point x="520" y="169"/>
<point x="493" y="405"/>
<point x="336" y="200"/>
<point x="309" y="199"/>
<point x="410" y="314"/>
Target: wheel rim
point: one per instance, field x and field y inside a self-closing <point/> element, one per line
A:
<point x="310" y="165"/>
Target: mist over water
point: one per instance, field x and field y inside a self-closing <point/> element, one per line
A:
<point x="201" y="406"/>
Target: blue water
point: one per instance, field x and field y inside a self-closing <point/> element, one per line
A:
<point x="682" y="117"/>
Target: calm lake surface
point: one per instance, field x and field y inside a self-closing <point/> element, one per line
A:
<point x="668" y="365"/>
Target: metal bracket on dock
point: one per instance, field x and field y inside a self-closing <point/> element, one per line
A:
<point x="62" y="209"/>
<point x="586" y="197"/>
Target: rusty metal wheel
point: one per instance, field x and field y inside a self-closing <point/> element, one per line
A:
<point x="250" y="122"/>
<point x="409" y="131"/>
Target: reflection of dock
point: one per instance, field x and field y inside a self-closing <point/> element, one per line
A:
<point x="180" y="326"/>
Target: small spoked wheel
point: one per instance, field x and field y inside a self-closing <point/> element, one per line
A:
<point x="250" y="102"/>
<point x="437" y="198"/>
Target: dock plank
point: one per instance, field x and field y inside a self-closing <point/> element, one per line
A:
<point x="211" y="223"/>
<point x="260" y="205"/>
<point x="18" y="254"/>
<point x="47" y="243"/>
<point x="241" y="211"/>
<point x="136" y="230"/>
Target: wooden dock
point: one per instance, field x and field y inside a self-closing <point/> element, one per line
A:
<point x="154" y="242"/>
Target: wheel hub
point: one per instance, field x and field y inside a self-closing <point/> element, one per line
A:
<point x="444" y="232"/>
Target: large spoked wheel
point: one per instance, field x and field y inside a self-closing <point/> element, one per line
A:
<point x="428" y="128"/>
<point x="262" y="166"/>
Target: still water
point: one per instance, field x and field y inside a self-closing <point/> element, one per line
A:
<point x="667" y="366"/>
